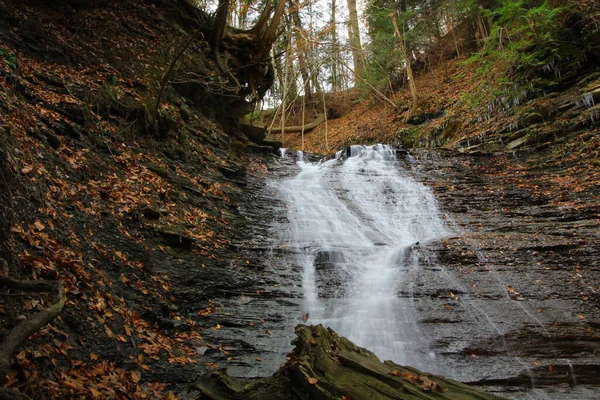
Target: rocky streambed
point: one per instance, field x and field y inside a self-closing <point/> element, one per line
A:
<point x="505" y="300"/>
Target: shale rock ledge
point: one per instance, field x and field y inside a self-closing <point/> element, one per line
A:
<point x="325" y="366"/>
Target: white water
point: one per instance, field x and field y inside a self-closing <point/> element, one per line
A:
<point x="359" y="215"/>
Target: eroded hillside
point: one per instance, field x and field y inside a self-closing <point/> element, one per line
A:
<point x="114" y="205"/>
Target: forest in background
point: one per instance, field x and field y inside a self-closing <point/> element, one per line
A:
<point x="509" y="51"/>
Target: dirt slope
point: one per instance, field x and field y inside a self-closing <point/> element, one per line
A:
<point x="92" y="199"/>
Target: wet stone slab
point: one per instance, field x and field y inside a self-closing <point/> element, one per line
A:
<point x="523" y="315"/>
<point x="506" y="301"/>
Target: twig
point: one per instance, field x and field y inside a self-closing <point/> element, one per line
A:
<point x="21" y="294"/>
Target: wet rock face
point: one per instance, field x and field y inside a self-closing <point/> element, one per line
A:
<point x="523" y="277"/>
<point x="508" y="301"/>
<point x="256" y="302"/>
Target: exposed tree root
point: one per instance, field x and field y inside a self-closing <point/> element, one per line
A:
<point x="27" y="327"/>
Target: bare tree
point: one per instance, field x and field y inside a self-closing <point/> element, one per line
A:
<point x="354" y="36"/>
<point x="409" y="72"/>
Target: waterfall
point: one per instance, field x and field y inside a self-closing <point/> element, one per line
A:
<point x="354" y="223"/>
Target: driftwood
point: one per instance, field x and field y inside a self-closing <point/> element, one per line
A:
<point x="298" y="128"/>
<point x="29" y="326"/>
<point x="325" y="366"/>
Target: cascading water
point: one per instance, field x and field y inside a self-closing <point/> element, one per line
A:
<point x="353" y="223"/>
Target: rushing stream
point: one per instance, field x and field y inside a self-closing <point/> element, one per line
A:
<point x="353" y="223"/>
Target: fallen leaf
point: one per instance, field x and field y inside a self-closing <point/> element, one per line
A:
<point x="312" y="381"/>
<point x="409" y="376"/>
<point x="108" y="332"/>
<point x="93" y="356"/>
<point x="428" y="385"/>
<point x="27" y="169"/>
<point x="135" y="376"/>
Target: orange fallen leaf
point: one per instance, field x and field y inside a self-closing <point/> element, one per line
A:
<point x="93" y="356"/>
<point x="27" y="169"/>
<point x="409" y="376"/>
<point x="429" y="385"/>
<point x="108" y="332"/>
<point x="135" y="376"/>
<point x="312" y="381"/>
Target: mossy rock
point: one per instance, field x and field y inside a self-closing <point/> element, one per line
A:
<point x="530" y="118"/>
<point x="274" y="143"/>
<point x="256" y="131"/>
<point x="326" y="366"/>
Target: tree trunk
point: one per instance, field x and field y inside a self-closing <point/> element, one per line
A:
<point x="220" y="26"/>
<point x="290" y="75"/>
<point x="409" y="72"/>
<point x="301" y="49"/>
<point x="277" y="61"/>
<point x="354" y="36"/>
<point x="335" y="79"/>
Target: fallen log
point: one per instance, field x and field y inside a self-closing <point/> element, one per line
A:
<point x="298" y="128"/>
<point x="325" y="366"/>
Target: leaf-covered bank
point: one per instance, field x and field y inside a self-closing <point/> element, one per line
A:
<point x="116" y="204"/>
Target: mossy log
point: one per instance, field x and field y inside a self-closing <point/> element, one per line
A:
<point x="325" y="366"/>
